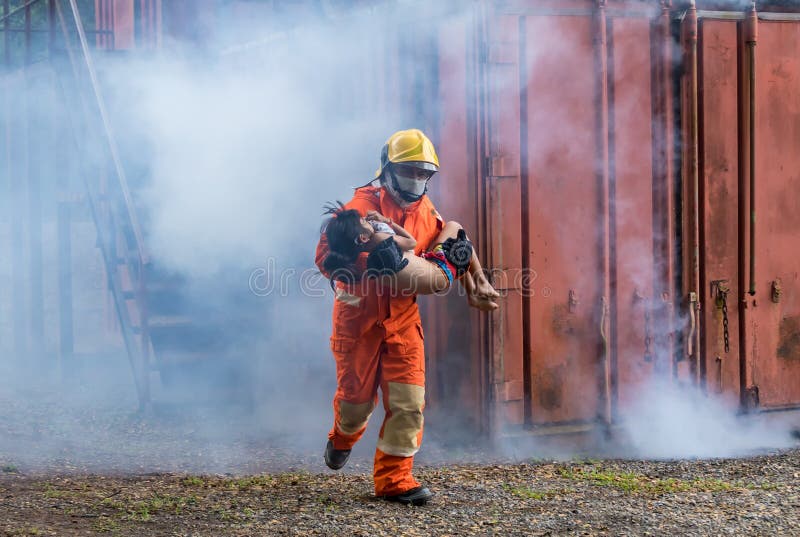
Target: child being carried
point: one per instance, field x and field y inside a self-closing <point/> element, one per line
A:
<point x="391" y="252"/>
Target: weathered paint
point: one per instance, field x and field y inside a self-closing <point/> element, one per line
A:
<point x="719" y="155"/>
<point x="634" y="257"/>
<point x="772" y="326"/>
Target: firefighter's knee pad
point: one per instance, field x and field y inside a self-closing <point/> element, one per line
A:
<point x="404" y="424"/>
<point x="353" y="416"/>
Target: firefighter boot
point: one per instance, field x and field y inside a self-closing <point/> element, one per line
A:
<point x="416" y="496"/>
<point x="335" y="458"/>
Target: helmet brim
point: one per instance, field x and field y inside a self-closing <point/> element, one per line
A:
<point x="422" y="165"/>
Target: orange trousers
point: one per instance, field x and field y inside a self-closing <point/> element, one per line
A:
<point x="392" y="358"/>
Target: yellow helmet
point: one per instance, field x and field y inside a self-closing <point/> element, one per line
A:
<point x="411" y="148"/>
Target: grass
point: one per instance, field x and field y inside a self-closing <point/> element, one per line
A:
<point x="25" y="530"/>
<point x="251" y="482"/>
<point x="143" y="510"/>
<point x="10" y="469"/>
<point x="193" y="481"/>
<point x="232" y="514"/>
<point x="633" y="483"/>
<point x="241" y="483"/>
<point x="106" y="525"/>
<point x="529" y="493"/>
<point x="51" y="492"/>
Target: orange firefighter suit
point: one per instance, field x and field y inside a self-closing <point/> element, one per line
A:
<point x="377" y="341"/>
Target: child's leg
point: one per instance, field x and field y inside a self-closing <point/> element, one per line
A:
<point x="425" y="277"/>
<point x="421" y="277"/>
<point x="479" y="290"/>
<point x="449" y="231"/>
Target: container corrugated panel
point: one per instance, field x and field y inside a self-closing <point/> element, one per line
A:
<point x="773" y="317"/>
<point x="761" y="366"/>
<point x="570" y="207"/>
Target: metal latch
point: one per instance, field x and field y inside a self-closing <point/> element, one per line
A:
<point x="776" y="290"/>
<point x="693" y="307"/>
<point x="573" y="301"/>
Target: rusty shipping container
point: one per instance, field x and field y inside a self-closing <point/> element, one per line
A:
<point x="630" y="169"/>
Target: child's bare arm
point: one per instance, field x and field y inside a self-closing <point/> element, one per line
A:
<point x="404" y="243"/>
<point x="404" y="239"/>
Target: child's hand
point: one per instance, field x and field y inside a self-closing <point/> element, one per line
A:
<point x="377" y="217"/>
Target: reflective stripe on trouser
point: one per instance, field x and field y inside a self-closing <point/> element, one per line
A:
<point x="396" y="362"/>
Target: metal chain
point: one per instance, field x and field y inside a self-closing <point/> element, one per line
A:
<point x="725" y="332"/>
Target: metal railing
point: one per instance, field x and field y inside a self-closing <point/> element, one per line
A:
<point x="120" y="238"/>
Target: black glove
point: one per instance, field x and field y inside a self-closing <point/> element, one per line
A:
<point x="386" y="259"/>
<point x="458" y="252"/>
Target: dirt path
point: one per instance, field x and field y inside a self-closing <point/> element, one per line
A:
<point x="753" y="496"/>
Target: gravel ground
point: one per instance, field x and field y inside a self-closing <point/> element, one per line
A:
<point x="80" y="461"/>
<point x="750" y="496"/>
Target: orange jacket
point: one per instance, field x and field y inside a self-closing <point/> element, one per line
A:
<point x="361" y="305"/>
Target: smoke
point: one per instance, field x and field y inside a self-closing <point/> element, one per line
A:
<point x="667" y="421"/>
<point x="231" y="150"/>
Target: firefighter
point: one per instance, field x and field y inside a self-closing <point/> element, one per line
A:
<point x="377" y="337"/>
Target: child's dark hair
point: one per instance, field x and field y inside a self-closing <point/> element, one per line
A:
<point x="341" y="231"/>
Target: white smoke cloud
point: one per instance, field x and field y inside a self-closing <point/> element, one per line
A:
<point x="667" y="421"/>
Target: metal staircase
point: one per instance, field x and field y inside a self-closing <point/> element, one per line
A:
<point x="119" y="234"/>
<point x="168" y="335"/>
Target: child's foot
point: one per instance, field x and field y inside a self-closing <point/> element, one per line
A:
<point x="482" y="303"/>
<point x="484" y="289"/>
<point x="483" y="296"/>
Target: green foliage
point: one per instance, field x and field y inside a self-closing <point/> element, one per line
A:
<point x="633" y="483"/>
<point x="529" y="493"/>
<point x="106" y="525"/>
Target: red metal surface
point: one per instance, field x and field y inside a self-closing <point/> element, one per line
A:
<point x="456" y="369"/>
<point x="505" y="205"/>
<point x="664" y="192"/>
<point x="773" y="328"/>
<point x="565" y="201"/>
<point x="634" y="234"/>
<point x="719" y="156"/>
<point x="574" y="157"/>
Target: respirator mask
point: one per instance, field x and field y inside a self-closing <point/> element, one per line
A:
<point x="408" y="183"/>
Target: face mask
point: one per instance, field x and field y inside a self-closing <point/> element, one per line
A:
<point x="408" y="189"/>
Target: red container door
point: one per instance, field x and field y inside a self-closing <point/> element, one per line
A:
<point x="750" y="341"/>
<point x="718" y="52"/>
<point x="564" y="221"/>
<point x="504" y="206"/>
<point x="637" y="325"/>
<point x="570" y="206"/>
<point x="457" y="368"/>
<point x="772" y="317"/>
